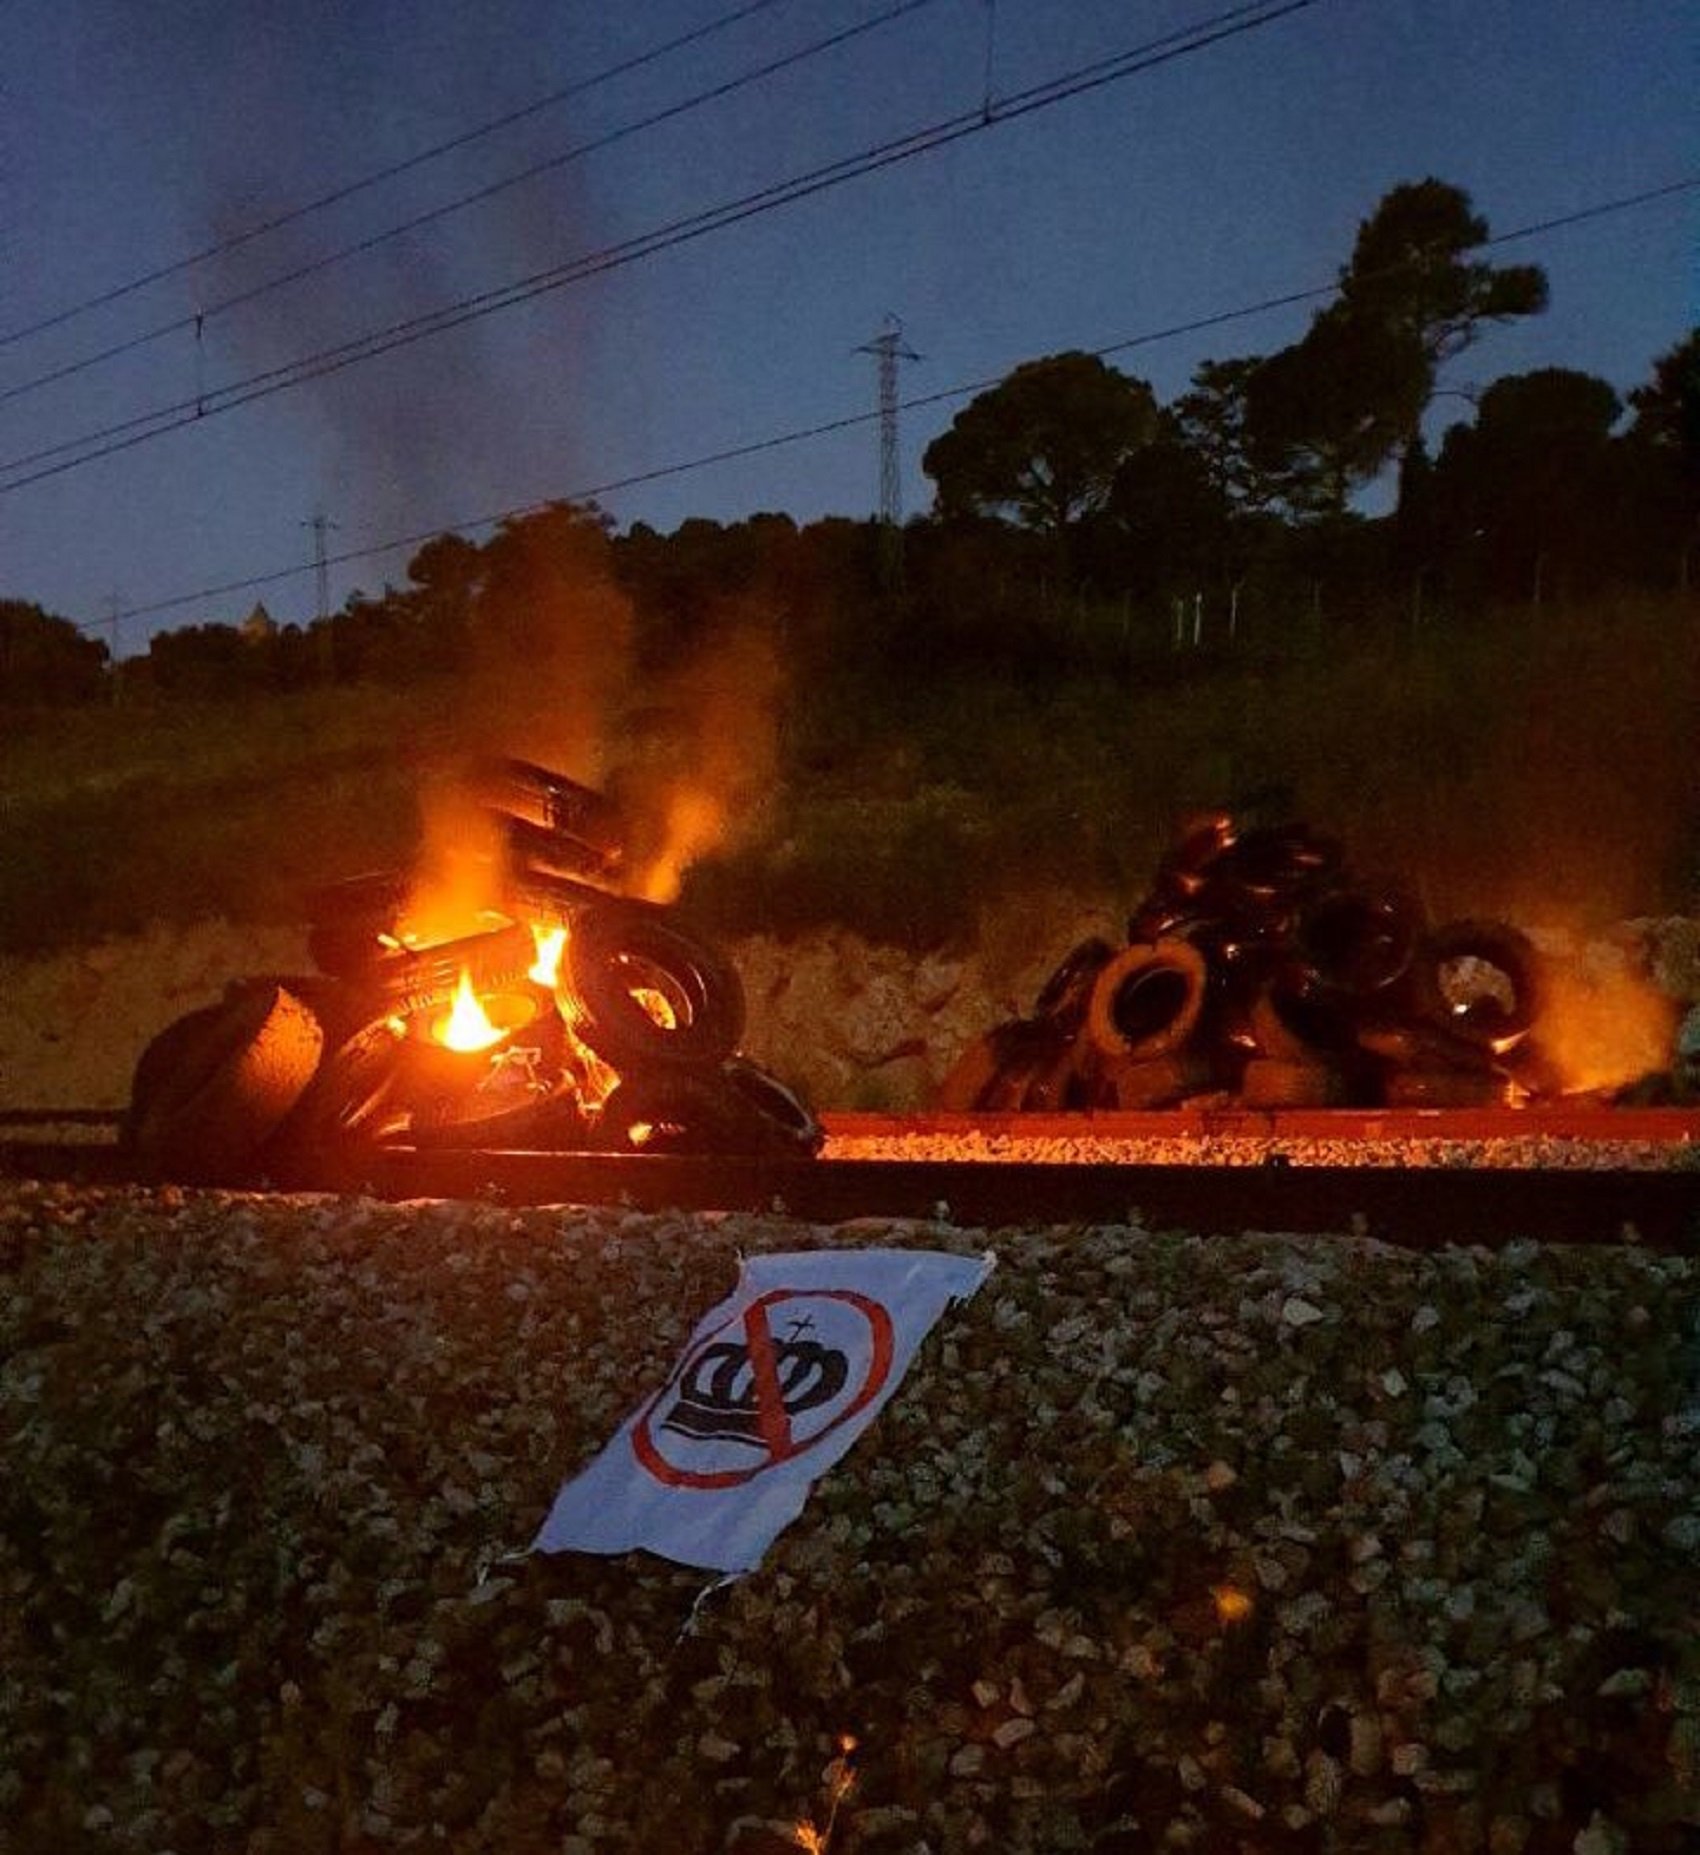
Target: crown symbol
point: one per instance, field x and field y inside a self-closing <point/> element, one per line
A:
<point x="717" y="1395"/>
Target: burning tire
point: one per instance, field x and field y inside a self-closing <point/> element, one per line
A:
<point x="492" y="960"/>
<point x="1147" y="1001"/>
<point x="552" y="820"/>
<point x="644" y="994"/>
<point x="1481" y="981"/>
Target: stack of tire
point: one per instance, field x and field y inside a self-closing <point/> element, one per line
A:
<point x="296" y="1080"/>
<point x="1259" y="972"/>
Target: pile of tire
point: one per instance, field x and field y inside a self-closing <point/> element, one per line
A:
<point x="296" y="1080"/>
<point x="1260" y="972"/>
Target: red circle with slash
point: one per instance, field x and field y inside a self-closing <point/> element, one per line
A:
<point x="774" y="1424"/>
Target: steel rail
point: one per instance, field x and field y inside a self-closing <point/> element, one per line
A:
<point x="1590" y="1121"/>
<point x="1421" y="1205"/>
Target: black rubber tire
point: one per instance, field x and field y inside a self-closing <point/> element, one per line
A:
<point x="1147" y="1001"/>
<point x="965" y="1083"/>
<point x="1055" y="1086"/>
<point x="374" y="899"/>
<point x="788" y="1121"/>
<point x="543" y="1124"/>
<point x="1355" y="945"/>
<point x="612" y="952"/>
<point x="562" y="818"/>
<point x="498" y="958"/>
<point x="684" y="1112"/>
<point x="1448" y="1088"/>
<point x="1026" y="1048"/>
<point x="1159" y="1082"/>
<point x="1064" y="997"/>
<point x="212" y="1089"/>
<point x="357" y="1095"/>
<point x="540" y="852"/>
<point x="1294" y="1029"/>
<point x="1272" y="1083"/>
<point x="1487" y="1022"/>
<point x="197" y="1040"/>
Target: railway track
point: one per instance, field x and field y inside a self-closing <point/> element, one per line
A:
<point x="1221" y="1171"/>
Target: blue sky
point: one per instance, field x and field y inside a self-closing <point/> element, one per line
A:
<point x="136" y="135"/>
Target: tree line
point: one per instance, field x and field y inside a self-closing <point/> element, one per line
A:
<point x="1077" y="523"/>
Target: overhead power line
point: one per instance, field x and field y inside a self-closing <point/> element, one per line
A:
<point x="155" y="423"/>
<point x="350" y="188"/>
<point x="198" y="319"/>
<point x="828" y="427"/>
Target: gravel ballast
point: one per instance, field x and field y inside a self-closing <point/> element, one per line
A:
<point x="1250" y="1544"/>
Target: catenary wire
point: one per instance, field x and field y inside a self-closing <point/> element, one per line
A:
<point x="848" y="422"/>
<point x="141" y="428"/>
<point x="198" y="319"/>
<point x="346" y="191"/>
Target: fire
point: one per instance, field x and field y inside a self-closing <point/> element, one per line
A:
<point x="466" y="1026"/>
<point x="657" y="1006"/>
<point x="1601" y="1031"/>
<point x="839" y="1780"/>
<point x="696" y="823"/>
<point x="551" y="943"/>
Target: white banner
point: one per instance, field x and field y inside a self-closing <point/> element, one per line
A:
<point x="772" y="1388"/>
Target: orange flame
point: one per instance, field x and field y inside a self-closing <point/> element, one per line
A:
<point x="466" y="1025"/>
<point x="551" y="943"/>
<point x="1601" y="1031"/>
<point x="696" y="823"/>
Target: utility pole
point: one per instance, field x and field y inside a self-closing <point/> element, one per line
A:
<point x="321" y="524"/>
<point x="888" y="350"/>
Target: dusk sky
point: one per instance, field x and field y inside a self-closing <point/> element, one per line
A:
<point x="136" y="135"/>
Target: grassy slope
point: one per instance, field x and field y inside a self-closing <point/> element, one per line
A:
<point x="1496" y="767"/>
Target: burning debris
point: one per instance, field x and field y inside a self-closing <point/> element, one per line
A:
<point x="1260" y="972"/>
<point x="556" y="1013"/>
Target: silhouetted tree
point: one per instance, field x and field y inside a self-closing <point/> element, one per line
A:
<point x="1528" y="493"/>
<point x="1169" y="519"/>
<point x="1324" y="416"/>
<point x="548" y="589"/>
<point x="1409" y="273"/>
<point x="204" y="662"/>
<point x="1211" y="421"/>
<point x="1664" y="444"/>
<point x="446" y="574"/>
<point x="1044" y="445"/>
<point x="45" y="660"/>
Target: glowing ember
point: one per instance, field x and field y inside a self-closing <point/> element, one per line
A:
<point x="656" y="1004"/>
<point x="466" y="1025"/>
<point x="1232" y="1604"/>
